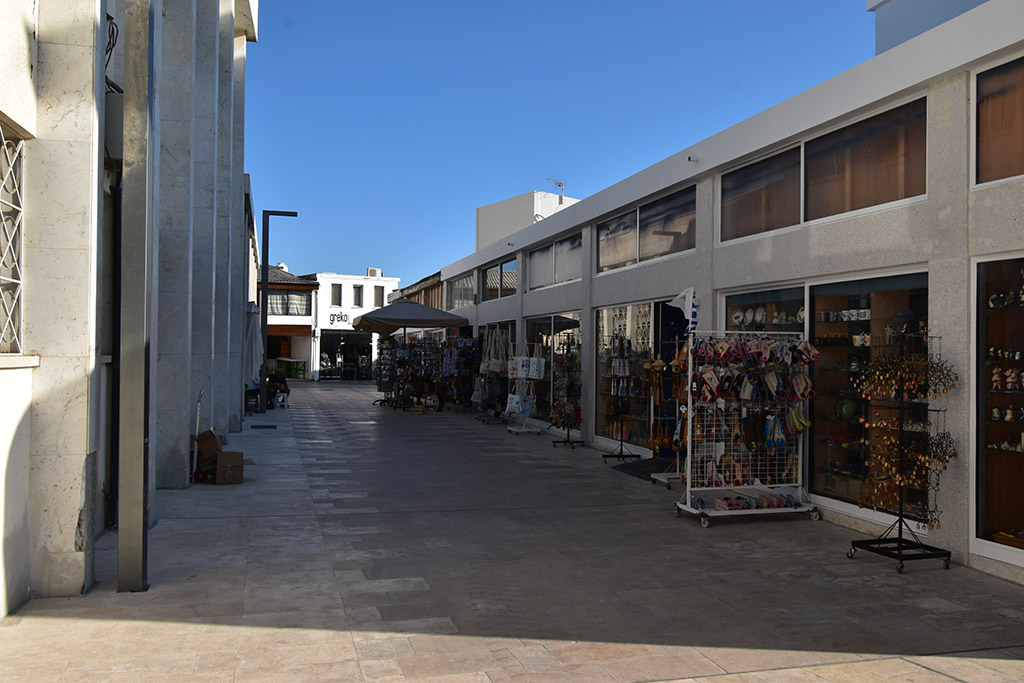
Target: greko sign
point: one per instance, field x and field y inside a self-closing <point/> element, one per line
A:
<point x="339" y="318"/>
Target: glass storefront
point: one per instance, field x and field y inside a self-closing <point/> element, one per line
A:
<point x="778" y="310"/>
<point x="853" y="324"/>
<point x="1000" y="417"/>
<point x="548" y="335"/>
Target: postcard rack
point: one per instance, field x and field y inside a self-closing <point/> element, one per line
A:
<point x="745" y="417"/>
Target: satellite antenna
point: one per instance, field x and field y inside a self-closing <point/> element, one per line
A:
<point x="561" y="189"/>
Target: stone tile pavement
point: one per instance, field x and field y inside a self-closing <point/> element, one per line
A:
<point x="373" y="545"/>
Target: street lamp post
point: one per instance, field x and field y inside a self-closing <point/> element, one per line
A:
<point x="264" y="290"/>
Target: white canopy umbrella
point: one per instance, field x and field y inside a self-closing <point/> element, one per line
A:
<point x="253" y="346"/>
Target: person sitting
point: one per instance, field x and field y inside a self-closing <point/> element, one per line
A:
<point x="277" y="384"/>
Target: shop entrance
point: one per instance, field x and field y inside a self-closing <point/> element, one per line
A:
<point x="345" y="355"/>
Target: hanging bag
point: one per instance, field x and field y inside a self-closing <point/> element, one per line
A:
<point x="537" y="363"/>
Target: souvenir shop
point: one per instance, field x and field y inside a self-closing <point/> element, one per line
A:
<point x="433" y="371"/>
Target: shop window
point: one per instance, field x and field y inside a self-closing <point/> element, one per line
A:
<point x="460" y="292"/>
<point x="1000" y="124"/>
<point x="11" y="237"/>
<point x="378" y="296"/>
<point x="357" y="296"/>
<point x="875" y="161"/>
<point x="1000" y="418"/>
<point x="778" y="310"/>
<point x="500" y="280"/>
<point x="616" y="242"/>
<point x="547" y="336"/>
<point x="852" y="324"/>
<point x="761" y="197"/>
<point x="335" y="294"/>
<point x="624" y="339"/>
<point x="667" y="226"/>
<point x="541" y="266"/>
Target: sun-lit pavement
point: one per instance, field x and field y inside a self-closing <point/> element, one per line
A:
<point x="370" y="544"/>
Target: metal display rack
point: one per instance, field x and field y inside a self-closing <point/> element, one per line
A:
<point x="745" y="416"/>
<point x="902" y="377"/>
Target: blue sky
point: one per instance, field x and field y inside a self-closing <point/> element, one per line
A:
<point x="385" y="123"/>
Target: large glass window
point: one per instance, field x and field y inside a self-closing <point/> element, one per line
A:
<point x="11" y="165"/>
<point x="1001" y="122"/>
<point x="761" y="197"/>
<point x="878" y="160"/>
<point x="547" y="336"/>
<point x="542" y="266"/>
<point x="558" y="262"/>
<point x="778" y="310"/>
<point x="460" y="292"/>
<point x="616" y="242"/>
<point x="289" y="303"/>
<point x="378" y="295"/>
<point x="624" y="341"/>
<point x="668" y="225"/>
<point x="509" y="278"/>
<point x="1000" y="416"/>
<point x="500" y="280"/>
<point x="357" y="296"/>
<point x="569" y="258"/>
<point x="854" y="324"/>
<point x="335" y="294"/>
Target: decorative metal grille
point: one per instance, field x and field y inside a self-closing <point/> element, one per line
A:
<point x="11" y="172"/>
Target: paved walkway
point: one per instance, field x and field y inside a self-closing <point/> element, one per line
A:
<point x="369" y="544"/>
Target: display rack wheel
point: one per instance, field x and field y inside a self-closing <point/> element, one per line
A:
<point x="899" y="568"/>
<point x="816" y="514"/>
<point x="199" y="476"/>
<point x="946" y="564"/>
<point x="850" y="553"/>
<point x="668" y="486"/>
<point x="654" y="481"/>
<point x="679" y="511"/>
<point x="705" y="521"/>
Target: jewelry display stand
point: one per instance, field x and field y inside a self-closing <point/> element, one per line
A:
<point x="902" y="377"/>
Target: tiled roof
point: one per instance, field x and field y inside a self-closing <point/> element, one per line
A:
<point x="276" y="276"/>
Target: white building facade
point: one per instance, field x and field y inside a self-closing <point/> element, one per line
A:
<point x="895" y="188"/>
<point x="338" y="351"/>
<point x="127" y="249"/>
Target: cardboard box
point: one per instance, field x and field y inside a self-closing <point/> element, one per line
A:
<point x="210" y="447"/>
<point x="229" y="467"/>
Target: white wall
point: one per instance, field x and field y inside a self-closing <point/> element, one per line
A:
<point x="17" y="59"/>
<point x="15" y="424"/>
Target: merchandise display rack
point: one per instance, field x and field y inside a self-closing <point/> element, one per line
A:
<point x="522" y="368"/>
<point x="679" y="351"/>
<point x="745" y="414"/>
<point x="621" y="379"/>
<point x="565" y="411"/>
<point x="910" y="457"/>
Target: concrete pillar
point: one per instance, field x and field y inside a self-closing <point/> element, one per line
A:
<point x="204" y="204"/>
<point x="239" y="241"/>
<point x="169" y="444"/>
<point x="62" y="166"/>
<point x="222" y="285"/>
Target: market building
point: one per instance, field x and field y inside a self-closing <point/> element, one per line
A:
<point x="128" y="252"/>
<point x="338" y="351"/>
<point x="882" y="203"/>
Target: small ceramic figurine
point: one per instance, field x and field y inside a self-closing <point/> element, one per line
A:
<point x="1009" y="415"/>
<point x="997" y="379"/>
<point x="1012" y="379"/>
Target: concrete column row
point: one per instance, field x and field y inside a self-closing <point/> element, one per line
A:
<point x="202" y="232"/>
